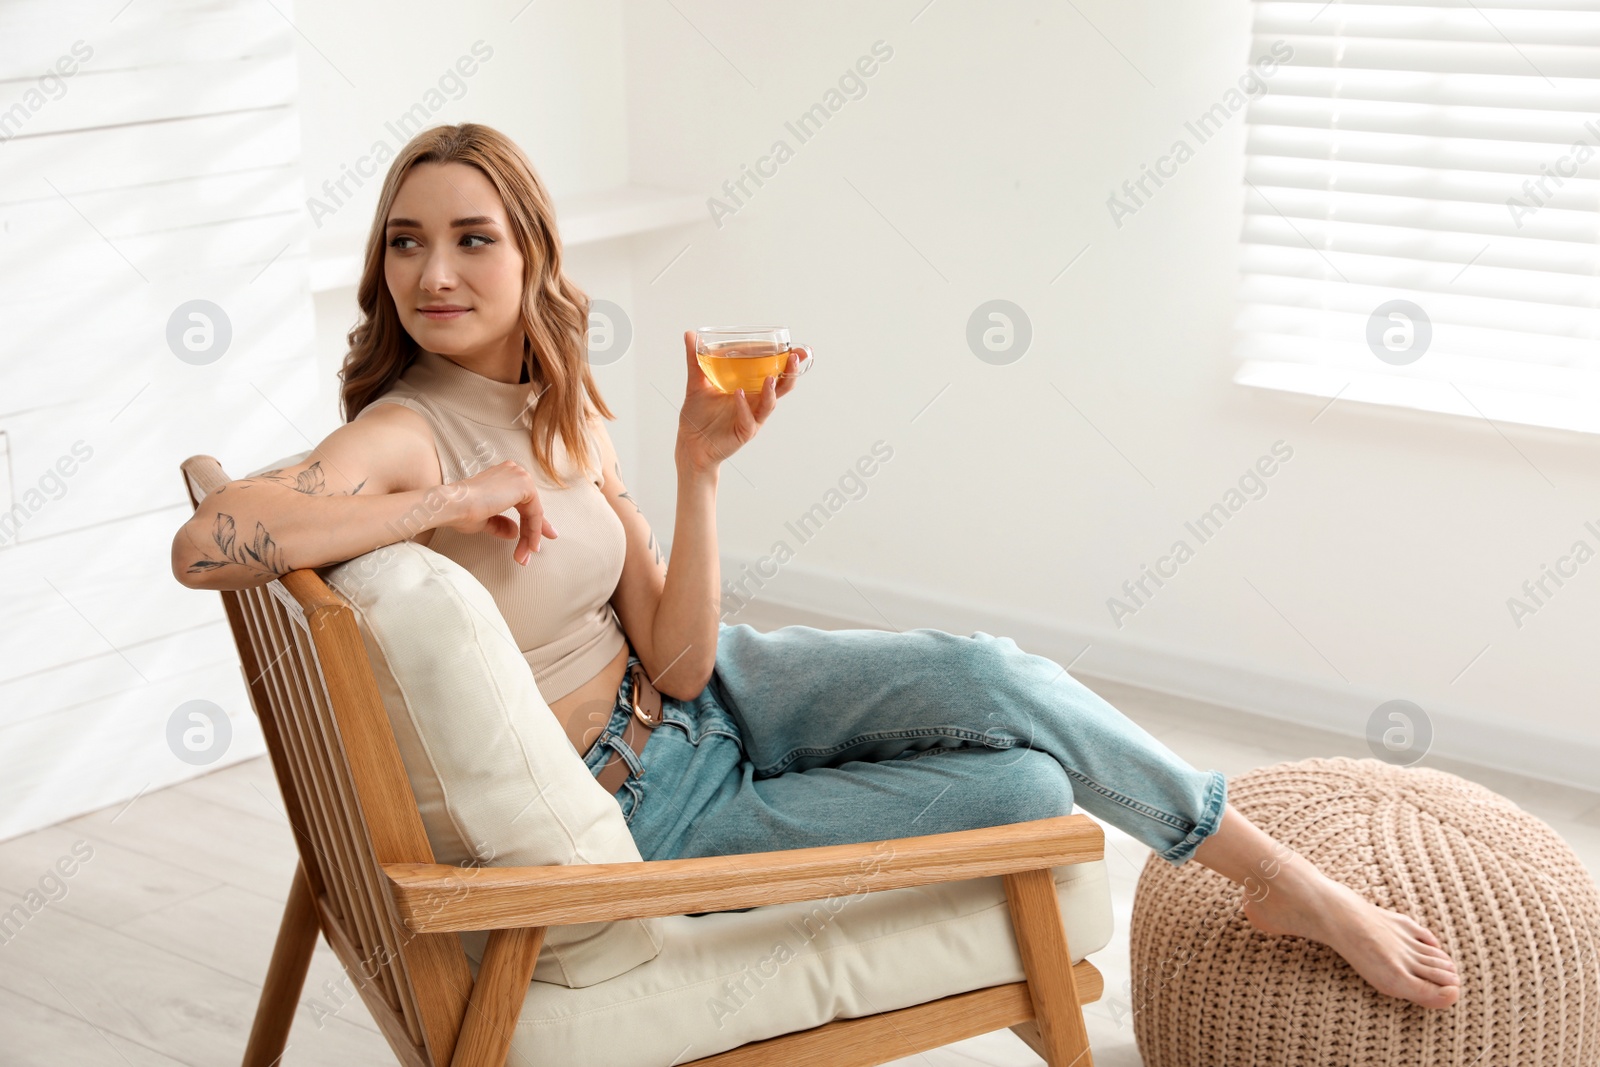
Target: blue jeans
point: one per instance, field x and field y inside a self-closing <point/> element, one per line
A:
<point x="808" y="737"/>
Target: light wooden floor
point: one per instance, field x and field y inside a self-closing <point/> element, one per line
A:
<point x="155" y="954"/>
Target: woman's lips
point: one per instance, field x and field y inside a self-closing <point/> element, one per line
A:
<point x="443" y="313"/>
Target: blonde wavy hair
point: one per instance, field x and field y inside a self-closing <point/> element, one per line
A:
<point x="555" y="312"/>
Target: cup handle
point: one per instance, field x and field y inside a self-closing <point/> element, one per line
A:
<point x="803" y="365"/>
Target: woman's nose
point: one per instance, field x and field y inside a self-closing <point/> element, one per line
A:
<point x="438" y="272"/>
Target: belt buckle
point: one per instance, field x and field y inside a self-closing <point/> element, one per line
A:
<point x="633" y="696"/>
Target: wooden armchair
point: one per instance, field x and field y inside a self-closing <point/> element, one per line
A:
<point x="368" y="882"/>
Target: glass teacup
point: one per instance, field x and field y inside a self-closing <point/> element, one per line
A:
<point x="742" y="357"/>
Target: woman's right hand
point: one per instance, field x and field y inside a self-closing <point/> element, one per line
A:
<point x="485" y="495"/>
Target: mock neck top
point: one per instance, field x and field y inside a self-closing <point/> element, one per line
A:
<point x="558" y="606"/>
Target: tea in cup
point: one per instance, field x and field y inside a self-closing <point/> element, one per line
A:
<point x="743" y="357"/>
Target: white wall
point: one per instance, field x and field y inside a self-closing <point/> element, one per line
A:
<point x="553" y="80"/>
<point x="101" y="646"/>
<point x="978" y="164"/>
<point x="550" y="77"/>
<point x="147" y="160"/>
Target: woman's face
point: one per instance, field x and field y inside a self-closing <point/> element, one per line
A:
<point x="451" y="264"/>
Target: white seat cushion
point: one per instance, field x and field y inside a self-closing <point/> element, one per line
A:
<point x="728" y="978"/>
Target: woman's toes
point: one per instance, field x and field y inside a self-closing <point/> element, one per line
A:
<point x="1438" y="957"/>
<point x="1393" y="951"/>
<point x="1419" y="989"/>
<point x="1444" y="964"/>
<point x="1422" y="933"/>
<point x="1437" y="975"/>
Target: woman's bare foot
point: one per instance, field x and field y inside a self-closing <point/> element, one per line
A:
<point x="1287" y="894"/>
<point x="1394" y="952"/>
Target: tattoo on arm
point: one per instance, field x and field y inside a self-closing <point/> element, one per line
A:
<point x="655" y="549"/>
<point x="263" y="554"/>
<point x="309" y="481"/>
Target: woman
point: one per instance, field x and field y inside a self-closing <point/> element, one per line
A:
<point x="469" y="397"/>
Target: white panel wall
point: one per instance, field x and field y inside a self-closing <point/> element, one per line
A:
<point x="175" y="152"/>
<point x="149" y="157"/>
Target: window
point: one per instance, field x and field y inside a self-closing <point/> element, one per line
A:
<point x="1422" y="208"/>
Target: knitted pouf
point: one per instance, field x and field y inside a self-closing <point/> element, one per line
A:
<point x="1507" y="898"/>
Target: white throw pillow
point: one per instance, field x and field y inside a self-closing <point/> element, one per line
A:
<point x="497" y="781"/>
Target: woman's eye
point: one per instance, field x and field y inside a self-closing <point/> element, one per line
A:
<point x="405" y="241"/>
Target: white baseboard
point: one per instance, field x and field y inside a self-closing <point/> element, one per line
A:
<point x="1508" y="745"/>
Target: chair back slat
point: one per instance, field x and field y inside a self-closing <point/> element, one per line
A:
<point x="295" y="668"/>
<point x="253" y="660"/>
<point x="293" y="768"/>
<point x="346" y="794"/>
<point x="381" y="952"/>
<point x="305" y="767"/>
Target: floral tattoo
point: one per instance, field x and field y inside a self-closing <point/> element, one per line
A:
<point x="262" y="554"/>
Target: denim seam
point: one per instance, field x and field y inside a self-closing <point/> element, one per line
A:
<point x="601" y="743"/>
<point x="617" y="726"/>
<point x="1127" y="802"/>
<point x="882" y="735"/>
<point x="636" y="791"/>
<point x="931" y="751"/>
<point x="695" y="739"/>
<point x="1216" y="797"/>
<point x="625" y="751"/>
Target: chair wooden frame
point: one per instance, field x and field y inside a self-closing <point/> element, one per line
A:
<point x="368" y="882"/>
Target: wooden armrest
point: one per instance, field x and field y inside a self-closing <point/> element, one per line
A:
<point x="436" y="897"/>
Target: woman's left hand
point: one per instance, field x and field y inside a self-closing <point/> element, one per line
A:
<point x="713" y="425"/>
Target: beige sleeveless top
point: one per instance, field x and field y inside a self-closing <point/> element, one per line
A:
<point x="558" y="606"/>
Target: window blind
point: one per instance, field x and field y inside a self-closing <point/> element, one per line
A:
<point x="1422" y="208"/>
